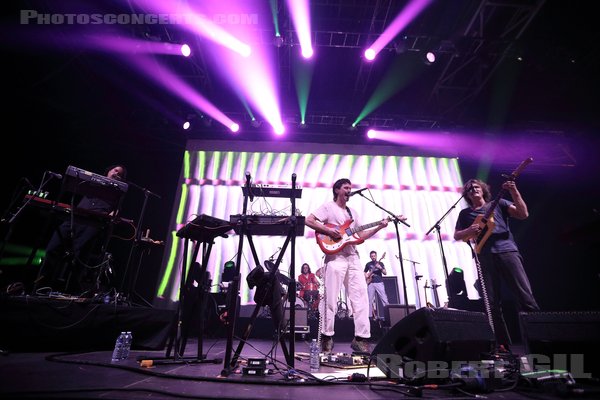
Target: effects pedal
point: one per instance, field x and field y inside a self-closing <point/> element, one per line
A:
<point x="255" y="367"/>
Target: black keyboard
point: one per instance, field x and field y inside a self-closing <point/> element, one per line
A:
<point x="268" y="225"/>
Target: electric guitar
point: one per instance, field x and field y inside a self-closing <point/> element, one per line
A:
<point x="486" y="221"/>
<point x="349" y="236"/>
<point x="369" y="276"/>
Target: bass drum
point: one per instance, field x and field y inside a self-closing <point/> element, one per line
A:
<point x="300" y="303"/>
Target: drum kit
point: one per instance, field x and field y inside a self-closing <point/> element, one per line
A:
<point x="311" y="295"/>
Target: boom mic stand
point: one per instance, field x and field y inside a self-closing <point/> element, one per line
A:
<point x="436" y="226"/>
<point x="137" y="242"/>
<point x="395" y="220"/>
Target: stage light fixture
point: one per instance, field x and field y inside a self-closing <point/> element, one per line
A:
<point x="456" y="284"/>
<point x="186" y="51"/>
<point x="429" y="58"/>
<point x="278" y="41"/>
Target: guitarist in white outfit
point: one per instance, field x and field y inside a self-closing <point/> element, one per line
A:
<point x="342" y="265"/>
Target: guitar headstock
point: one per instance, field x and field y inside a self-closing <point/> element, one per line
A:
<point x="382" y="256"/>
<point x="520" y="169"/>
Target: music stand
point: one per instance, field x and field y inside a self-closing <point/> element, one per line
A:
<point x="243" y="229"/>
<point x="203" y="230"/>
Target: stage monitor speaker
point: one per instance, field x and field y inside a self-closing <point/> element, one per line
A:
<point x="395" y="312"/>
<point x="572" y="332"/>
<point x="439" y="335"/>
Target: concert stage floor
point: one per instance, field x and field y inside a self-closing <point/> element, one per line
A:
<point x="36" y="332"/>
<point x="91" y="375"/>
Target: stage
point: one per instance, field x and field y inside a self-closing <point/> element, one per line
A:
<point x="61" y="348"/>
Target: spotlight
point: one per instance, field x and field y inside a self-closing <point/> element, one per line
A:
<point x="370" y="54"/>
<point x="429" y="58"/>
<point x="278" y="41"/>
<point x="186" y="51"/>
<point x="255" y="123"/>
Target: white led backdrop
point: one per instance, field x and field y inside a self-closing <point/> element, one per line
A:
<point x="421" y="188"/>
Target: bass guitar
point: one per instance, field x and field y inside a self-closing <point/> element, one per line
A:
<point x="349" y="236"/>
<point x="486" y="221"/>
<point x="369" y="276"/>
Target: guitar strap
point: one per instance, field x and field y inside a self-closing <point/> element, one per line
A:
<point x="350" y="213"/>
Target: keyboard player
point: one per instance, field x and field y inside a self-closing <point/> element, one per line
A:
<point x="69" y="263"/>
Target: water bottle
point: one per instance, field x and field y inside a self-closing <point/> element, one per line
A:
<point x="314" y="356"/>
<point x="117" y="354"/>
<point x="127" y="345"/>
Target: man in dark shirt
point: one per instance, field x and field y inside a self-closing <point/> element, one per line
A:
<point x="499" y="256"/>
<point x="374" y="271"/>
<point x="69" y="250"/>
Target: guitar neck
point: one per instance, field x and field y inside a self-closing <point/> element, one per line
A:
<point x="363" y="227"/>
<point x="512" y="177"/>
<point x="494" y="203"/>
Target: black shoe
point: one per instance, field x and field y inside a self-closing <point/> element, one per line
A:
<point x="326" y="344"/>
<point x="360" y="346"/>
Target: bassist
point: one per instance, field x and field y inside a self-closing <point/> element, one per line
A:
<point x="374" y="271"/>
<point x="498" y="254"/>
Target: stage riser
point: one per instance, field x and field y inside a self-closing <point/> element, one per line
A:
<point x="31" y="324"/>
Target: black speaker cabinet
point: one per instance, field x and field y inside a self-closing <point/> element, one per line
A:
<point x="395" y="312"/>
<point x="390" y="283"/>
<point x="563" y="333"/>
<point x="439" y="335"/>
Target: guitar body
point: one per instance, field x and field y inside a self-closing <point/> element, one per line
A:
<point x="487" y="227"/>
<point x="331" y="246"/>
<point x="369" y="276"/>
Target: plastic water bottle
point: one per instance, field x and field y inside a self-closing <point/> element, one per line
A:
<point x="127" y="345"/>
<point x="315" y="362"/>
<point x="117" y="354"/>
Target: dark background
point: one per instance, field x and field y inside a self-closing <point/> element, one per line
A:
<point x="67" y="106"/>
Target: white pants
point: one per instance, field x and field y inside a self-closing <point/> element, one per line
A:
<point x="346" y="270"/>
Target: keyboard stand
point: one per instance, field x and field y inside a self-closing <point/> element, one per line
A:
<point x="231" y="360"/>
<point x="192" y="297"/>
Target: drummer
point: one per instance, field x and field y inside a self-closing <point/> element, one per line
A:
<point x="308" y="284"/>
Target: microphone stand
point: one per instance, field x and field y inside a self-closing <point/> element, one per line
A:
<point x="400" y="258"/>
<point x="436" y="226"/>
<point x="138" y="238"/>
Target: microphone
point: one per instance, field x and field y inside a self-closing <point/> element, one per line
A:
<point x="54" y="174"/>
<point x="250" y="195"/>
<point x="356" y="192"/>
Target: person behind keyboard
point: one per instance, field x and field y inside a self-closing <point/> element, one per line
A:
<point x="66" y="266"/>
